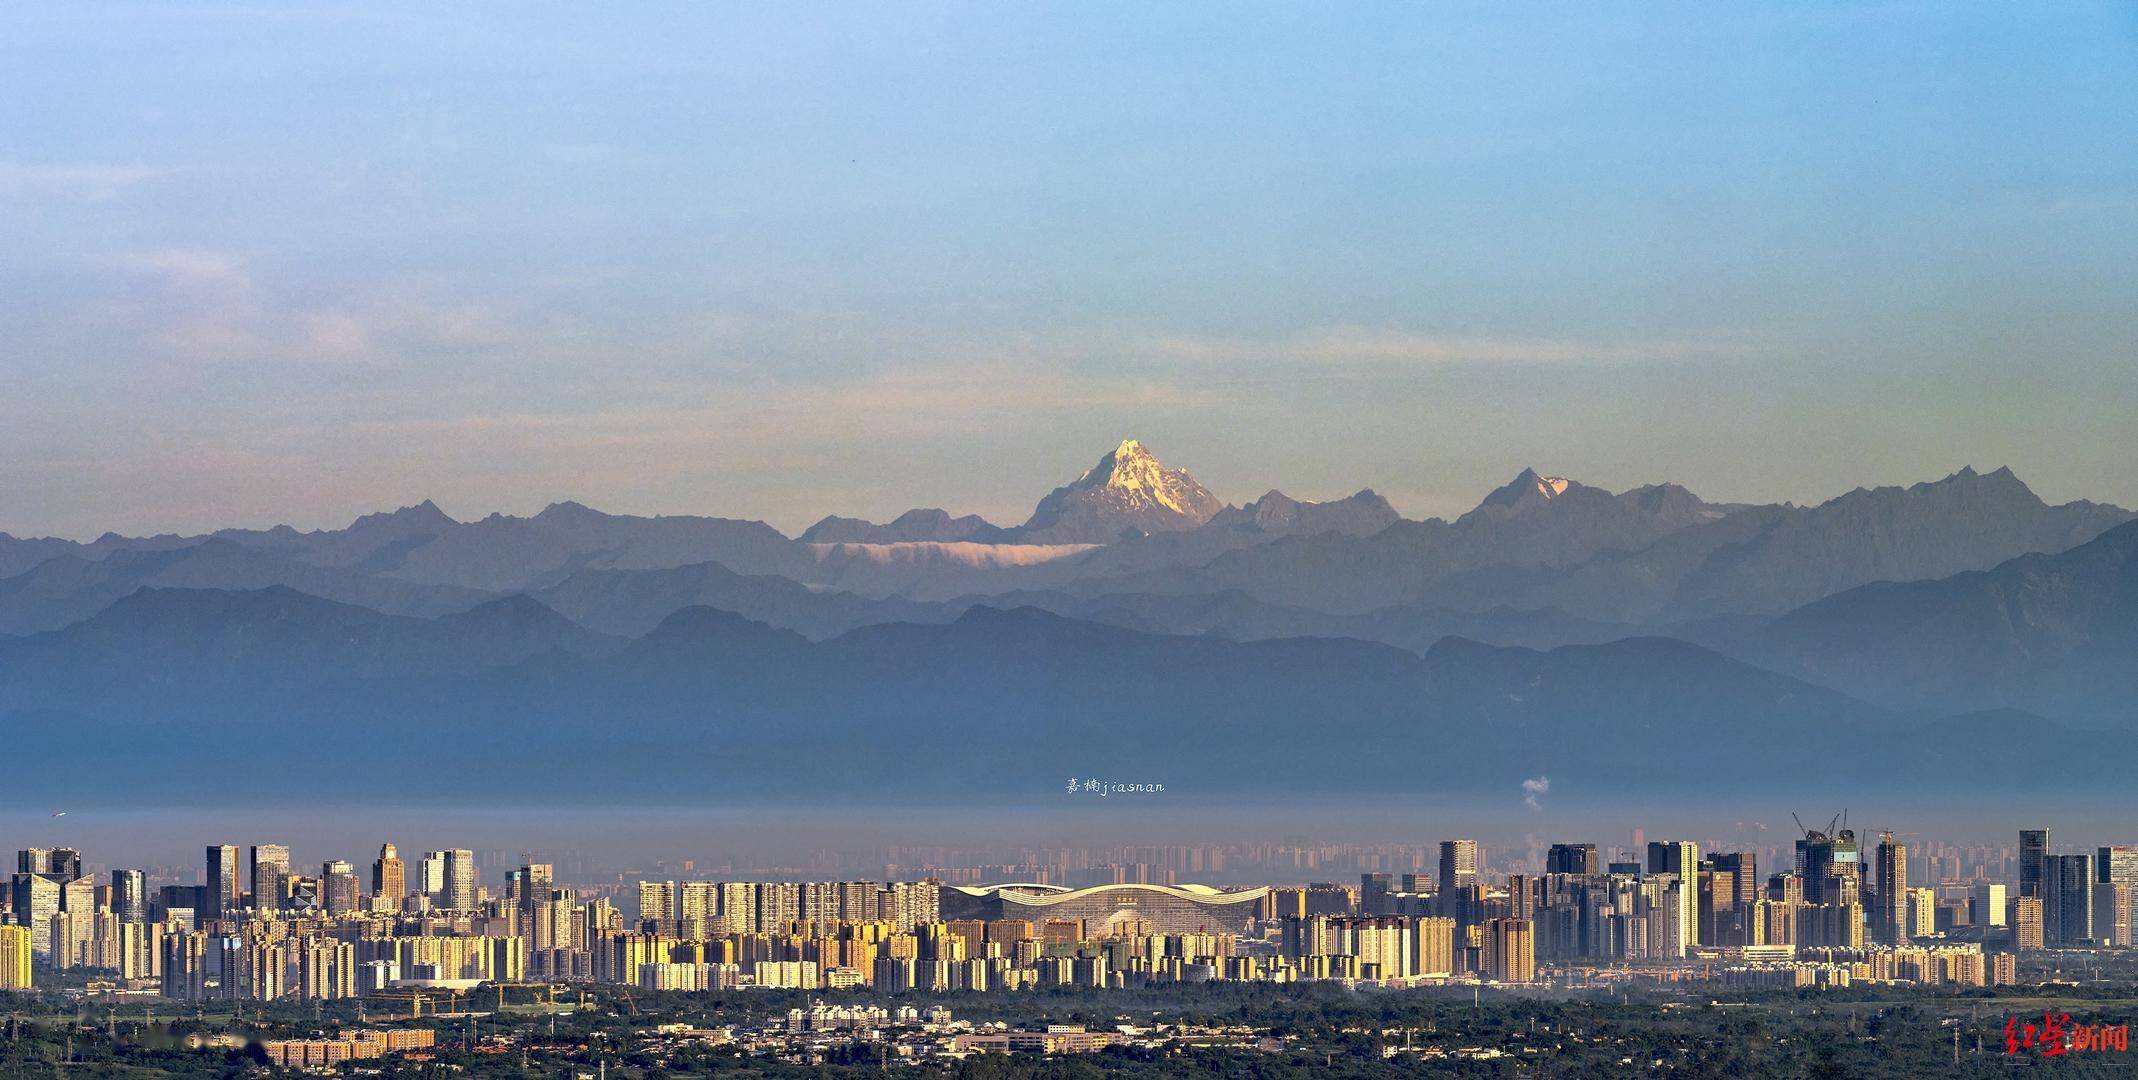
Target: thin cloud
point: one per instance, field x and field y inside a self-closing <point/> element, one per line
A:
<point x="1390" y="347"/>
<point x="188" y="267"/>
<point x="212" y="307"/>
<point x="80" y="183"/>
<point x="762" y="414"/>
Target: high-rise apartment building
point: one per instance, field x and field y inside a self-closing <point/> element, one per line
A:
<point x="738" y="907"/>
<point x="697" y="909"/>
<point x="778" y="904"/>
<point x="1433" y="943"/>
<point x="1511" y="950"/>
<point x="15" y="958"/>
<point x="557" y="921"/>
<point x="2026" y="920"/>
<point x="657" y="903"/>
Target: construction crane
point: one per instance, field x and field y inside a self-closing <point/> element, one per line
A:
<point x="545" y="991"/>
<point x="1834" y="828"/>
<point x="417" y="998"/>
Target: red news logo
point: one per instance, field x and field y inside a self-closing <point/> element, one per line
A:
<point x="2057" y="1035"/>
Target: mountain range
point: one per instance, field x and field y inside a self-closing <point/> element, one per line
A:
<point x="1604" y="634"/>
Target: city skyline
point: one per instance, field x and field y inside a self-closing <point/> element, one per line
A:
<point x="1662" y="904"/>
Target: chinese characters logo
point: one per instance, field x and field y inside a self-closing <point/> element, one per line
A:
<point x="2057" y="1035"/>
<point x="1103" y="788"/>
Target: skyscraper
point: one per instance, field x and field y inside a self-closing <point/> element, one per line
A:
<point x="534" y="881"/>
<point x="2112" y="913"/>
<point x="430" y="877"/>
<point x="389" y="880"/>
<point x="2026" y="920"/>
<point x="62" y="863"/>
<point x="1458" y="864"/>
<point x="337" y="879"/>
<point x="1680" y="858"/>
<point x="129" y="896"/>
<point x="1373" y="892"/>
<point x="1891" y="918"/>
<point x="1511" y="950"/>
<point x="1744" y="867"/>
<point x="2033" y="848"/>
<point x="1571" y="859"/>
<point x="1831" y="866"/>
<point x="2067" y="899"/>
<point x="460" y="879"/>
<point x="698" y="905"/>
<point x="35" y="898"/>
<point x="14" y="958"/>
<point x="657" y="905"/>
<point x="1433" y="943"/>
<point x="2116" y="866"/>
<point x="221" y="881"/>
<point x="270" y="864"/>
<point x="1986" y="905"/>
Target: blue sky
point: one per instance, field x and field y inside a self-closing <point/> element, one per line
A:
<point x="294" y="263"/>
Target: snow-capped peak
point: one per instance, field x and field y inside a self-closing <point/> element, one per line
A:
<point x="1528" y="489"/>
<point x="1127" y="490"/>
<point x="1130" y="468"/>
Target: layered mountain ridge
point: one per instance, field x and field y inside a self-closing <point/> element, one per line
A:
<point x="1553" y="609"/>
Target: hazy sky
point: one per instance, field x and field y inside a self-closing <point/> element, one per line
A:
<point x="283" y="263"/>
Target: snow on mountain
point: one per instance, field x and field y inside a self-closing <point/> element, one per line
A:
<point x="1127" y="491"/>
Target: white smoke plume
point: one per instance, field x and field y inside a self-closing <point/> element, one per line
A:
<point x="1533" y="790"/>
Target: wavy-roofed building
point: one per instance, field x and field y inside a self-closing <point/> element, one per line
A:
<point x="1169" y="909"/>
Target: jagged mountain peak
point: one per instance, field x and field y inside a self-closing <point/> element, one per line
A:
<point x="569" y="509"/>
<point x="1362" y="513"/>
<point x="2001" y="479"/>
<point x="920" y="524"/>
<point x="1131" y="468"/>
<point x="1528" y="488"/>
<point x="1129" y="490"/>
<point x="423" y="515"/>
<point x="1999" y="484"/>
